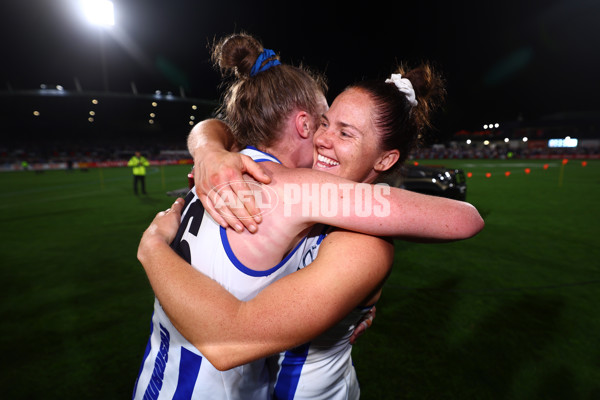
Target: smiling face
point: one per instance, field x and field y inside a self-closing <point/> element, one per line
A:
<point x="347" y="143"/>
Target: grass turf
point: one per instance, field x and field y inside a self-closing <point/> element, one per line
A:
<point x="509" y="314"/>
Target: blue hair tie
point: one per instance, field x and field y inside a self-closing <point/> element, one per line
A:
<point x="266" y="54"/>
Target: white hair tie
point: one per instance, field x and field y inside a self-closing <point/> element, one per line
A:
<point x="405" y="87"/>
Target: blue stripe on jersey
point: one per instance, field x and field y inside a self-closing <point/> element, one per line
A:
<point x="324" y="233"/>
<point x="189" y="367"/>
<point x="158" y="374"/>
<point x="270" y="155"/>
<point x="238" y="264"/>
<point x="146" y="352"/>
<point x="289" y="375"/>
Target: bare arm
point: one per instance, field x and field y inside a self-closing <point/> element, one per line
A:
<point x="219" y="171"/>
<point x="309" y="196"/>
<point x="286" y="314"/>
<point x="397" y="213"/>
<point x="211" y="134"/>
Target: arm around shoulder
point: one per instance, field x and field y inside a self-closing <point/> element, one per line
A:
<point x="318" y="197"/>
<point x="287" y="313"/>
<point x="306" y="303"/>
<point x="210" y="134"/>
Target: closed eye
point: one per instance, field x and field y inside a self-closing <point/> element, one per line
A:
<point x="324" y="122"/>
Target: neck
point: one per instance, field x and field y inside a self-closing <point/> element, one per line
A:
<point x="290" y="151"/>
<point x="371" y="177"/>
<point x="283" y="154"/>
<point x="291" y="148"/>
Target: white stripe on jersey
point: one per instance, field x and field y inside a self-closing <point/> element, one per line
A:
<point x="173" y="368"/>
<point x="321" y="369"/>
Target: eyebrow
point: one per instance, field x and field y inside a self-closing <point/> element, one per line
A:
<point x="346" y="125"/>
<point x="343" y="124"/>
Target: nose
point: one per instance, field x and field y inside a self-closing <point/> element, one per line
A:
<point x="323" y="137"/>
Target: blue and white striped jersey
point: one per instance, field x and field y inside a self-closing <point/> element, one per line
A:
<point x="172" y="367"/>
<point x="321" y="369"/>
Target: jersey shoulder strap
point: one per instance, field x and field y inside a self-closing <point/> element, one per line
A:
<point x="259" y="156"/>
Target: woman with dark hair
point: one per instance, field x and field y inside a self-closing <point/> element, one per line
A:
<point x="235" y="321"/>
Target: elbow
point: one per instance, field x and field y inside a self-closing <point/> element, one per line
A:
<point x="219" y="358"/>
<point x="144" y="248"/>
<point x="140" y="254"/>
<point x="221" y="364"/>
<point x="475" y="227"/>
<point x="472" y="223"/>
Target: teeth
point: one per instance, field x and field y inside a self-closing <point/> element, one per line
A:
<point x="327" y="160"/>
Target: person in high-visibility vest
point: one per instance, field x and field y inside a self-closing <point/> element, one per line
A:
<point x="139" y="164"/>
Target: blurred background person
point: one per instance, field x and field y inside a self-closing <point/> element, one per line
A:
<point x="139" y="164"/>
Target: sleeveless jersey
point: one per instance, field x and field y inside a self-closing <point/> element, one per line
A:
<point x="172" y="367"/>
<point x="321" y="369"/>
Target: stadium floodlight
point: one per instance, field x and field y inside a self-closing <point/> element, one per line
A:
<point x="99" y="12"/>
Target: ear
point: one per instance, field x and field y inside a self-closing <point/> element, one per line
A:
<point x="386" y="160"/>
<point x="303" y="124"/>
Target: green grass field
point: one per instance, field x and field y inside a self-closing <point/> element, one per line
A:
<point x="510" y="314"/>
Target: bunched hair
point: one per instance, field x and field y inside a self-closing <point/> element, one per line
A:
<point x="400" y="125"/>
<point x="256" y="107"/>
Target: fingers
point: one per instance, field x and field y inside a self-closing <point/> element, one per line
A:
<point x="255" y="170"/>
<point x="210" y="208"/>
<point x="222" y="189"/>
<point x="234" y="204"/>
<point x="363" y="326"/>
<point x="216" y="204"/>
<point x="238" y="195"/>
<point x="358" y="331"/>
<point x="231" y="209"/>
<point x="175" y="208"/>
<point x="178" y="205"/>
<point x="372" y="312"/>
<point x="246" y="211"/>
<point x="367" y="323"/>
<point x="165" y="224"/>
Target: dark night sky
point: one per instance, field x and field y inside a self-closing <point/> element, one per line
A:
<point x="500" y="59"/>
